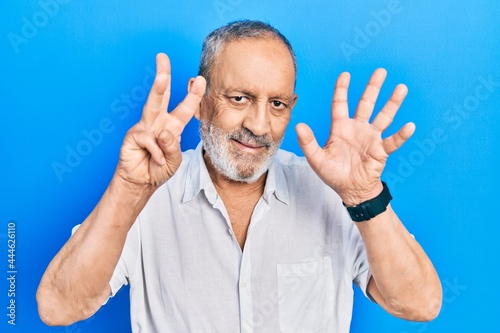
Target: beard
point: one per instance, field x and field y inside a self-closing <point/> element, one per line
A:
<point x="230" y="161"/>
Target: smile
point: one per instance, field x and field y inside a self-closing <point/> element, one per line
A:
<point x="249" y="147"/>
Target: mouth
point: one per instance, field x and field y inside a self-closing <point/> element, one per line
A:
<point x="247" y="146"/>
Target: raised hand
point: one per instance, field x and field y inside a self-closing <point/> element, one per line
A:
<point x="150" y="153"/>
<point x="354" y="156"/>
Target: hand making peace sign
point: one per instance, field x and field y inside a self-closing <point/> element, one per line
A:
<point x="151" y="153"/>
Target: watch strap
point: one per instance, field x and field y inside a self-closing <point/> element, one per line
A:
<point x="370" y="208"/>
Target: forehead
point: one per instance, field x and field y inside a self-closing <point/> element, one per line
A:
<point x="257" y="64"/>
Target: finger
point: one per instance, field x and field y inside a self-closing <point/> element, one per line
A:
<point x="340" y="108"/>
<point x="186" y="109"/>
<point x="170" y="147"/>
<point x="159" y="95"/>
<point x="386" y="115"/>
<point x="367" y="102"/>
<point x="147" y="140"/>
<point x="309" y="145"/>
<point x="392" y="143"/>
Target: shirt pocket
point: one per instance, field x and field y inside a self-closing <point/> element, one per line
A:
<point x="306" y="296"/>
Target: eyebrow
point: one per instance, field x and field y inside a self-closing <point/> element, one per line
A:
<point x="285" y="98"/>
<point x="246" y="92"/>
<point x="252" y="95"/>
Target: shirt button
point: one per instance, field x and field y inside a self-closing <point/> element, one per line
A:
<point x="230" y="231"/>
<point x="244" y="285"/>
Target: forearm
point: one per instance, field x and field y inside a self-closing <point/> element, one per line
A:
<point x="404" y="282"/>
<point x="76" y="282"/>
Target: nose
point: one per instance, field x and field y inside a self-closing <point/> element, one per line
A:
<point x="257" y="119"/>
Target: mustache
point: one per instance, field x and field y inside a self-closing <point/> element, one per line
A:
<point x="246" y="136"/>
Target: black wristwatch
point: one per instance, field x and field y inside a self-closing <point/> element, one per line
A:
<point x="370" y="208"/>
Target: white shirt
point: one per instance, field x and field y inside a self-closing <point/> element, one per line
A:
<point x="187" y="272"/>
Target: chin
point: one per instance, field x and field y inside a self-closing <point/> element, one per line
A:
<point x="246" y="176"/>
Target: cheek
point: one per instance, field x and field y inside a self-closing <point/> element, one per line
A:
<point x="227" y="118"/>
<point x="279" y="125"/>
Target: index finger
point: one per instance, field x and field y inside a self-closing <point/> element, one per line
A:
<point x="159" y="95"/>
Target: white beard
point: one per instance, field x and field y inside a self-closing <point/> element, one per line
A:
<point x="230" y="162"/>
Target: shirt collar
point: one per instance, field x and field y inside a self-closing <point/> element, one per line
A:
<point x="276" y="182"/>
<point x="198" y="179"/>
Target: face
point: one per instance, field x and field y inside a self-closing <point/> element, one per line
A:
<point x="245" y="113"/>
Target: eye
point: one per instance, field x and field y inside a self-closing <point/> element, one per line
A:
<point x="238" y="99"/>
<point x="278" y="105"/>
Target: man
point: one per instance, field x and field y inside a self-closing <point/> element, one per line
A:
<point x="237" y="235"/>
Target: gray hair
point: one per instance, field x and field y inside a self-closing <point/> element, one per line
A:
<point x="233" y="31"/>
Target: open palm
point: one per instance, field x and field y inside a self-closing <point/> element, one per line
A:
<point x="355" y="154"/>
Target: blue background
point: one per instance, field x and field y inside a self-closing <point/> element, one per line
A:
<point x="82" y="66"/>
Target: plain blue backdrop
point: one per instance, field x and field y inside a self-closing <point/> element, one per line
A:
<point x="74" y="75"/>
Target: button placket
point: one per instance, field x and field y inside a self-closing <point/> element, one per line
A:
<point x="245" y="291"/>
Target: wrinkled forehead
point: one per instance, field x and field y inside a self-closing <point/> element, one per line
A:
<point x="266" y="37"/>
<point x="255" y="63"/>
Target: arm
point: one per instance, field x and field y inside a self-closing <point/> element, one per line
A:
<point x="404" y="281"/>
<point x="76" y="282"/>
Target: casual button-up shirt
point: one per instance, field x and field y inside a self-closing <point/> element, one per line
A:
<point x="187" y="272"/>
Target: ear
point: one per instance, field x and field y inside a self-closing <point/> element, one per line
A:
<point x="197" y="112"/>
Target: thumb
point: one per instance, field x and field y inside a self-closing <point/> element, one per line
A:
<point x="308" y="144"/>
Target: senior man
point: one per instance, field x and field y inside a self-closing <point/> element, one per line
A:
<point x="238" y="235"/>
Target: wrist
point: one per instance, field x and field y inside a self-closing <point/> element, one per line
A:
<point x="368" y="209"/>
<point x="352" y="198"/>
<point x="129" y="195"/>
